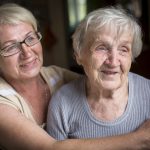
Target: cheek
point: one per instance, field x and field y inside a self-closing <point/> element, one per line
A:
<point x="92" y="62"/>
<point x="98" y="60"/>
<point x="92" y="66"/>
<point x="126" y="64"/>
<point x="6" y="65"/>
<point x="38" y="49"/>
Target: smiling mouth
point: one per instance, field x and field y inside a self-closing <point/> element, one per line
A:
<point x="110" y="72"/>
<point x="28" y="63"/>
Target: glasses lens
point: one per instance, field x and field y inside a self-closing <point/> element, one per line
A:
<point x="10" y="50"/>
<point x="33" y="39"/>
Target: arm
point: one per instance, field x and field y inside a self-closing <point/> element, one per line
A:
<point x="19" y="133"/>
<point x="126" y="142"/>
<point x="139" y="140"/>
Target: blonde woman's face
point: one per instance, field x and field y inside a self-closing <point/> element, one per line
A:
<point x="108" y="60"/>
<point x="25" y="64"/>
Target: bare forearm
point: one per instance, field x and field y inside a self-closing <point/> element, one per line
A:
<point x="21" y="134"/>
<point x="138" y="140"/>
<point x="125" y="142"/>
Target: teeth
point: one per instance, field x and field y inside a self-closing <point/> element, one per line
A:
<point x="26" y="63"/>
<point x="108" y="72"/>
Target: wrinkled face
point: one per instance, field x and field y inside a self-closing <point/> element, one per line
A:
<point x="27" y="63"/>
<point x="107" y="60"/>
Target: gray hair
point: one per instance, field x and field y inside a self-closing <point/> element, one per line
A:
<point x="102" y="17"/>
<point x="13" y="14"/>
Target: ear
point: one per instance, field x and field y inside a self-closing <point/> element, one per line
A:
<point x="78" y="58"/>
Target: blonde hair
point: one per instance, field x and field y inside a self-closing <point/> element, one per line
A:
<point x="12" y="14"/>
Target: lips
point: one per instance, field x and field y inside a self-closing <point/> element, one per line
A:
<point x="28" y="63"/>
<point x="108" y="72"/>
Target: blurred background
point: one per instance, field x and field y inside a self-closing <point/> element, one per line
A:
<point x="58" y="19"/>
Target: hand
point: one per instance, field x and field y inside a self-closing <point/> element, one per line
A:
<point x="144" y="134"/>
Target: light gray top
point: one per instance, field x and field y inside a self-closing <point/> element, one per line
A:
<point x="69" y="115"/>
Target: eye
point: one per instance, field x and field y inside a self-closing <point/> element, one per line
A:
<point x="31" y="38"/>
<point x="101" y="48"/>
<point x="10" y="48"/>
<point x="123" y="49"/>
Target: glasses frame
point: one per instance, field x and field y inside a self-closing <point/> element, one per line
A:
<point x="18" y="45"/>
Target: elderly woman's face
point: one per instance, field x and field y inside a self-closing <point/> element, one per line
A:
<point x="108" y="60"/>
<point x="26" y="63"/>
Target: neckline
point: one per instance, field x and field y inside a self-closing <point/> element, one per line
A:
<point x="105" y="122"/>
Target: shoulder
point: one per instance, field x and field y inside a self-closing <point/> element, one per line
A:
<point x="72" y="87"/>
<point x="69" y="93"/>
<point x="57" y="76"/>
<point x="10" y="97"/>
<point x="5" y="88"/>
<point x="55" y="70"/>
<point x="139" y="84"/>
<point x="52" y="74"/>
<point x="52" y="70"/>
<point x="138" y="78"/>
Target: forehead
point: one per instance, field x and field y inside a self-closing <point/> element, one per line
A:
<point x="11" y="29"/>
<point x="110" y="33"/>
<point x="12" y="32"/>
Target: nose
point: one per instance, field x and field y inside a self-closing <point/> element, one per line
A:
<point x="112" y="58"/>
<point x="25" y="49"/>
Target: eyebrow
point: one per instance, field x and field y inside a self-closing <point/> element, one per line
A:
<point x="13" y="41"/>
<point x="106" y="43"/>
<point x="98" y="42"/>
<point x="3" y="45"/>
<point x="125" y="43"/>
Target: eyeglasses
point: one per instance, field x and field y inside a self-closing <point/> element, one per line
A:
<point x="14" y="48"/>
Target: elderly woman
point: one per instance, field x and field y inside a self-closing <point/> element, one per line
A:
<point x="109" y="100"/>
<point x="26" y="88"/>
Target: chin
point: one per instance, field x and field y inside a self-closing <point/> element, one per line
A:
<point x="111" y="85"/>
<point x="31" y="73"/>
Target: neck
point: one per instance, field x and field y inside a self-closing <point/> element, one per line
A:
<point x="97" y="93"/>
<point x="37" y="95"/>
<point x="26" y="85"/>
<point x="107" y="104"/>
